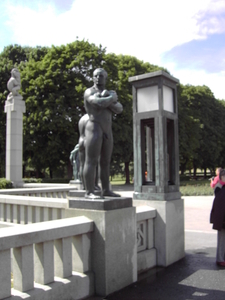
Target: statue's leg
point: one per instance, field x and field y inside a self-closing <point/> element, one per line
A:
<point x="93" y="144"/>
<point x="97" y="187"/>
<point x="105" y="159"/>
<point x="82" y="156"/>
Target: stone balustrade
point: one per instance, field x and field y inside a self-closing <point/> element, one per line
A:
<point x="51" y="260"/>
<point x="60" y="191"/>
<point x="22" y="210"/>
<point x="30" y="209"/>
<point x="146" y="257"/>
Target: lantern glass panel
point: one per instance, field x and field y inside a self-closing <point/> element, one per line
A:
<point x="147" y="99"/>
<point x="168" y="99"/>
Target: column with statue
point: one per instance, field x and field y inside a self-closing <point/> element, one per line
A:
<point x="14" y="108"/>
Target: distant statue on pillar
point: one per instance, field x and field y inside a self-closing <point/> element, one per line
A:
<point x="14" y="108"/>
<point x="14" y="85"/>
<point x="75" y="162"/>
<point x="100" y="104"/>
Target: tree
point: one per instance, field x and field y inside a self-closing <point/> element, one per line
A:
<point x="189" y="129"/>
<point x="120" y="68"/>
<point x="200" y="130"/>
<point x="53" y="89"/>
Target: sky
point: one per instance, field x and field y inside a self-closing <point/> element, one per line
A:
<point x="185" y="37"/>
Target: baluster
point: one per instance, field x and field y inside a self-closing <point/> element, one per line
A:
<point x="44" y="262"/>
<point x="2" y="212"/>
<point x="15" y="213"/>
<point x="81" y="245"/>
<point x="62" y="213"/>
<point x="37" y="214"/>
<point x="54" y="214"/>
<point x="8" y="213"/>
<point x="63" y="257"/>
<point x="22" y="214"/>
<point x="23" y="268"/>
<point x="30" y="214"/>
<point x="46" y="214"/>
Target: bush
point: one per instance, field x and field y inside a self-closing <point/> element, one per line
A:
<point x="32" y="180"/>
<point x="184" y="178"/>
<point x="5" y="184"/>
<point x="55" y="180"/>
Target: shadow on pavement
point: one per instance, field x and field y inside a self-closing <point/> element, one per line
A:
<point x="194" y="277"/>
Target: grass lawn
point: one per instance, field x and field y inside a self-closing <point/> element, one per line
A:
<point x="187" y="188"/>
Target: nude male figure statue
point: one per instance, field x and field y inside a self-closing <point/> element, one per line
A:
<point x="97" y="140"/>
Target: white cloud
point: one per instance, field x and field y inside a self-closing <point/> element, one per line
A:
<point x="144" y="28"/>
<point x="215" y="81"/>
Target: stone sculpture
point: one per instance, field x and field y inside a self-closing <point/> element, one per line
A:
<point x="14" y="85"/>
<point x="96" y="139"/>
<point x="75" y="162"/>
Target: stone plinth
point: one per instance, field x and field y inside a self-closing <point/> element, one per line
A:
<point x="169" y="229"/>
<point x="100" y="204"/>
<point x="114" y="249"/>
<point x="14" y="108"/>
<point x="77" y="183"/>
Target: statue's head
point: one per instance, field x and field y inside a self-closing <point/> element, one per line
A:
<point x="15" y="73"/>
<point x="100" y="76"/>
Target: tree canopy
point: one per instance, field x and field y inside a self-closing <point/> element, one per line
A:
<point x="53" y="83"/>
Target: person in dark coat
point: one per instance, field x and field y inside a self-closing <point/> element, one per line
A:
<point x="217" y="218"/>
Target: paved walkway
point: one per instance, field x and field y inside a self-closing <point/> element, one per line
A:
<point x="194" y="277"/>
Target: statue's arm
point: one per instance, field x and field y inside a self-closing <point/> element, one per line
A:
<point x="71" y="158"/>
<point x="116" y="108"/>
<point x="96" y="99"/>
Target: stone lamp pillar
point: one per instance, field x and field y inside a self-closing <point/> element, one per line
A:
<point x="156" y="160"/>
<point x="14" y="108"/>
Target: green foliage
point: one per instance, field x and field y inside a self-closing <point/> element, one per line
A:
<point x="53" y="82"/>
<point x="32" y="180"/>
<point x="200" y="128"/>
<point x="55" y="180"/>
<point x="119" y="69"/>
<point x="12" y="56"/>
<point x="5" y="184"/>
<point x="196" y="190"/>
<point x="53" y="88"/>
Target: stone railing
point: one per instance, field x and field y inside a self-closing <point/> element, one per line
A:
<point x="146" y="257"/>
<point x="60" y="192"/>
<point x="22" y="210"/>
<point x="51" y="260"/>
<point x="30" y="209"/>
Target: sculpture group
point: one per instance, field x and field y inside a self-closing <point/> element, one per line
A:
<point x="96" y="138"/>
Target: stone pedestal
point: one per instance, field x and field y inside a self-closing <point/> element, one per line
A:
<point x="77" y="183"/>
<point x="14" y="108"/>
<point x="169" y="229"/>
<point x="114" y="250"/>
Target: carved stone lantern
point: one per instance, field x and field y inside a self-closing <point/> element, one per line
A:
<point x="156" y="151"/>
<point x="156" y="161"/>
